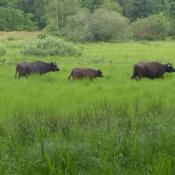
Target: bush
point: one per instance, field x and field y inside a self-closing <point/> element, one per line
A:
<point x="172" y="12"/>
<point x="15" y="19"/>
<point x="77" y="28"/>
<point x="172" y="30"/>
<point x="108" y="25"/>
<point x="51" y="46"/>
<point x="154" y="27"/>
<point x="112" y="5"/>
<point x="102" y="25"/>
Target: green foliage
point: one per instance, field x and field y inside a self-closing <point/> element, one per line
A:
<point x="112" y="5"/>
<point x="12" y="3"/>
<point x="3" y="2"/>
<point x="172" y="9"/>
<point x="172" y="15"/>
<point x="57" y="16"/>
<point x="102" y="25"/>
<point x="37" y="9"/>
<point x="50" y="46"/>
<point x="92" y="4"/>
<point x="145" y="8"/>
<point x="134" y="9"/>
<point x="127" y="6"/>
<point x="2" y="50"/>
<point x="78" y="28"/>
<point x="15" y="19"/>
<point x="57" y="12"/>
<point x="9" y="3"/>
<point x="108" y="25"/>
<point x="152" y="28"/>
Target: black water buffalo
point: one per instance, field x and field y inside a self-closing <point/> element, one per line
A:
<point x="151" y="70"/>
<point x="79" y="73"/>
<point x="37" y="67"/>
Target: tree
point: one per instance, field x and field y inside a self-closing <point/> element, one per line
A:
<point x="3" y="3"/>
<point x="108" y="25"/>
<point x="92" y="4"/>
<point x="9" y="3"/>
<point x="142" y="8"/>
<point x="15" y="19"/>
<point x="37" y="8"/>
<point x="127" y="6"/>
<point x="77" y="27"/>
<point x="172" y="15"/>
<point x="154" y="27"/>
<point x="12" y="3"/>
<point x="112" y="5"/>
<point x="59" y="10"/>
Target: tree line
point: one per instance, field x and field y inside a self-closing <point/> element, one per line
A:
<point x="91" y="20"/>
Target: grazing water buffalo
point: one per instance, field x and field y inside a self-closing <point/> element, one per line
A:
<point x="151" y="70"/>
<point x="79" y="73"/>
<point x="37" y="67"/>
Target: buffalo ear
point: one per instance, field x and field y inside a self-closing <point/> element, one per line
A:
<point x="53" y="64"/>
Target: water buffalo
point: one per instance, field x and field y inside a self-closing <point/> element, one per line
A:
<point x="37" y="67"/>
<point x="79" y="73"/>
<point x="151" y="70"/>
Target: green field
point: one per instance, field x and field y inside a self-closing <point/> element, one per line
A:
<point x="108" y="126"/>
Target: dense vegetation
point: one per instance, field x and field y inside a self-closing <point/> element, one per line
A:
<point x="50" y="46"/>
<point x="111" y="125"/>
<point x="91" y="20"/>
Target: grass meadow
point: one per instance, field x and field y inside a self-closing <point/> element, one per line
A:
<point x="108" y="126"/>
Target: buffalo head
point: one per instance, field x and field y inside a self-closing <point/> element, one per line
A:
<point x="54" y="67"/>
<point x="99" y="73"/>
<point x="169" y="68"/>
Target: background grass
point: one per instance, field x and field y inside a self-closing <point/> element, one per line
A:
<point x="111" y="125"/>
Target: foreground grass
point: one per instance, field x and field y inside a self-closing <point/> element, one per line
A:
<point x="110" y="125"/>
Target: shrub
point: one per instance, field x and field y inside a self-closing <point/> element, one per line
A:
<point x="172" y="30"/>
<point x="108" y="25"/>
<point x="51" y="46"/>
<point x="152" y="28"/>
<point x="112" y="5"/>
<point x="15" y="19"/>
<point x="172" y="12"/>
<point x="10" y="39"/>
<point x="102" y="25"/>
<point x="77" y="28"/>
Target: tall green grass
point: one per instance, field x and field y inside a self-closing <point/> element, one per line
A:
<point x="111" y="125"/>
